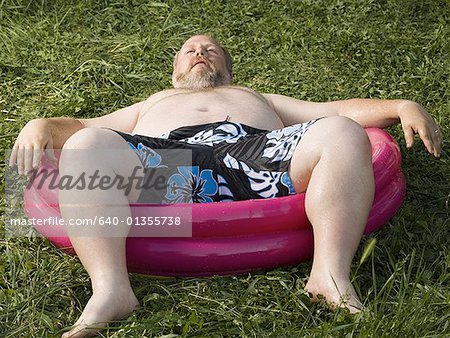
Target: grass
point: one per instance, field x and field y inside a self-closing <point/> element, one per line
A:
<point x="87" y="58"/>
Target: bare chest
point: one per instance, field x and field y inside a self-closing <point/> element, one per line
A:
<point x="177" y="109"/>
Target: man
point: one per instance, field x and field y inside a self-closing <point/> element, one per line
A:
<point x="322" y="147"/>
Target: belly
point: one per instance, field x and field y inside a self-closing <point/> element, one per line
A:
<point x="155" y="125"/>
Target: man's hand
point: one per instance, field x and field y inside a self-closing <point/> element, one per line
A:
<point x="416" y="120"/>
<point x="35" y="138"/>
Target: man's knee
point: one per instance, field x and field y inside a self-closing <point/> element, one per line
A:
<point x="86" y="138"/>
<point x="333" y="138"/>
<point x="346" y="126"/>
<point x="346" y="136"/>
<point x="84" y="149"/>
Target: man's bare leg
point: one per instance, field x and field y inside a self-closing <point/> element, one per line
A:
<point x="333" y="159"/>
<point x="104" y="258"/>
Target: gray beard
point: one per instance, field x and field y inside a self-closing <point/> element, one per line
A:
<point x="200" y="80"/>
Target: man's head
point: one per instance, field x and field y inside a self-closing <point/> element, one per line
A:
<point x="201" y="63"/>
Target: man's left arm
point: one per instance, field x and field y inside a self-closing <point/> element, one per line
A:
<point x="368" y="113"/>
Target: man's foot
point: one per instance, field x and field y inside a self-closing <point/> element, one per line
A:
<point x="102" y="307"/>
<point x="335" y="292"/>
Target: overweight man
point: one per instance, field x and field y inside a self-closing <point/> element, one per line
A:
<point x="252" y="145"/>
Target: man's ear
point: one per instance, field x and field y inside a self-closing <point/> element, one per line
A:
<point x="175" y="60"/>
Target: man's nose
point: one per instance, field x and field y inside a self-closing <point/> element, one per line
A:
<point x="200" y="51"/>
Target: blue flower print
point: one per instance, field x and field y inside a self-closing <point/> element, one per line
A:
<point x="286" y="181"/>
<point x="191" y="186"/>
<point x="149" y="157"/>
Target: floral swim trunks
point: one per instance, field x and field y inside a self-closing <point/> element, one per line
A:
<point x="228" y="161"/>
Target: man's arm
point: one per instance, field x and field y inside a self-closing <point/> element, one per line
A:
<point x="124" y="119"/>
<point x="47" y="134"/>
<point x="368" y="113"/>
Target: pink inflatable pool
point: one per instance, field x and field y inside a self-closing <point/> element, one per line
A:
<point x="232" y="238"/>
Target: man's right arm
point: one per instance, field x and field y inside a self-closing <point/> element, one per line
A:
<point x="41" y="135"/>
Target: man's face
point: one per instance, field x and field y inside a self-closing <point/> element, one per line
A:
<point x="200" y="63"/>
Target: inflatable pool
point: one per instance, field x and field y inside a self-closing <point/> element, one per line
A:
<point x="236" y="237"/>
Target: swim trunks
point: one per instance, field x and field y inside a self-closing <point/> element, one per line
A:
<point x="230" y="161"/>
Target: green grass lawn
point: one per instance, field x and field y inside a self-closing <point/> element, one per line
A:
<point x="88" y="58"/>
